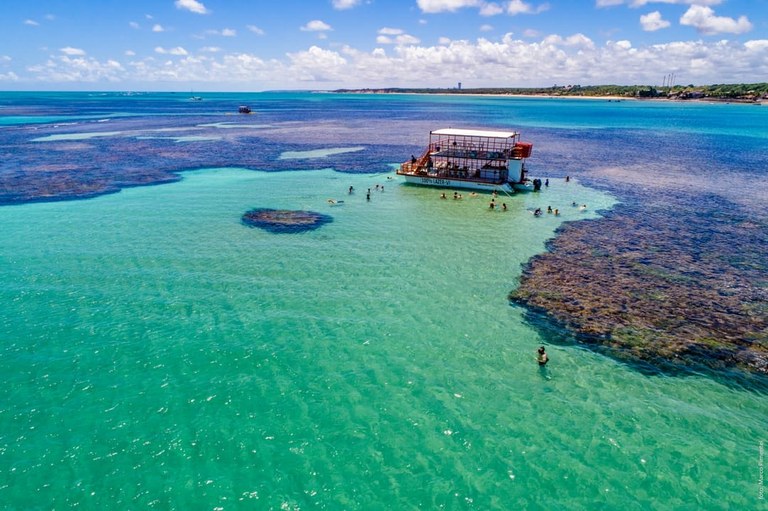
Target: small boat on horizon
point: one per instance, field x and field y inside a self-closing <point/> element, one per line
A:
<point x="472" y="159"/>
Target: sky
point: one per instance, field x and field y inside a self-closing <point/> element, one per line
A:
<point x="256" y="45"/>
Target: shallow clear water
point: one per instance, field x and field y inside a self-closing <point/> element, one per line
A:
<point x="157" y="353"/>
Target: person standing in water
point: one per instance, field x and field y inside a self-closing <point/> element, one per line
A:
<point x="542" y="357"/>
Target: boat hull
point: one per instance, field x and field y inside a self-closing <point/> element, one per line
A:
<point x="441" y="182"/>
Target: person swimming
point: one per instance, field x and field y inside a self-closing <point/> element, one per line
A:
<point x="542" y="357"/>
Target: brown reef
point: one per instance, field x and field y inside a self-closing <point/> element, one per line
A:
<point x="688" y="289"/>
<point x="284" y="220"/>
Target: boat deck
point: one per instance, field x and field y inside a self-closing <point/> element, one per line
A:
<point x="487" y="175"/>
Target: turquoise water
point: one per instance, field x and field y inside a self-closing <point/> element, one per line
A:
<point x="159" y="354"/>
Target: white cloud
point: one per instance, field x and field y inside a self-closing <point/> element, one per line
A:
<point x="396" y="36"/>
<point x="133" y="25"/>
<point x="66" y="69"/>
<point x="256" y="30"/>
<point x="653" y="21"/>
<point x="345" y="4"/>
<point x="317" y="65"/>
<point x="4" y="59"/>
<point x="486" y="28"/>
<point x="68" y="50"/>
<point x="490" y="9"/>
<point x="485" y="8"/>
<point x="171" y="51"/>
<point x="703" y="19"/>
<point x="407" y="39"/>
<point x="435" y="6"/>
<point x="399" y="40"/>
<point x="518" y="7"/>
<point x="158" y="28"/>
<point x="31" y="23"/>
<point x="522" y="60"/>
<point x="191" y="6"/>
<point x="390" y="31"/>
<point x="227" y="32"/>
<point x="316" y="26"/>
<point x="130" y="53"/>
<point x="9" y="77"/>
<point x="623" y="45"/>
<point x="642" y="3"/>
<point x="759" y="45"/>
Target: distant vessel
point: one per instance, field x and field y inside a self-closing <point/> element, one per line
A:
<point x="472" y="159"/>
<point x="244" y="109"/>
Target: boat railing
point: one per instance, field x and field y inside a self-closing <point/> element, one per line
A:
<point x="417" y="166"/>
<point x="471" y="154"/>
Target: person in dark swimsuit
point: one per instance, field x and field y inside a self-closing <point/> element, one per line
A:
<point x="542" y="357"/>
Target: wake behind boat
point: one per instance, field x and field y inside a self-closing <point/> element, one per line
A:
<point x="472" y="159"/>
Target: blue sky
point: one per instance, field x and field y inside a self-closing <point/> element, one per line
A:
<point x="252" y="45"/>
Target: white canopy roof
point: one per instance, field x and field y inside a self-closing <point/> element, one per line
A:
<point x="474" y="133"/>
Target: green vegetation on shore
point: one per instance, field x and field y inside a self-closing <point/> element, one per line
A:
<point x="737" y="91"/>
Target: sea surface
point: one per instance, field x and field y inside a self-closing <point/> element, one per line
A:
<point x="157" y="353"/>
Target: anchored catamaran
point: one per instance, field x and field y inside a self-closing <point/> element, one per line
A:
<point x="473" y="159"/>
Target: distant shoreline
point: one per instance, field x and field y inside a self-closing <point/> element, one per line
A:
<point x="489" y="94"/>
<point x="742" y="93"/>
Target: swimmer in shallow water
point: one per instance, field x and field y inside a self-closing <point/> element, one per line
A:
<point x="542" y="357"/>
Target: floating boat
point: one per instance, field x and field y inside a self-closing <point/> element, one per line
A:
<point x="244" y="109"/>
<point x="472" y="159"/>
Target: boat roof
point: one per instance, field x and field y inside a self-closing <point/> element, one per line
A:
<point x="475" y="133"/>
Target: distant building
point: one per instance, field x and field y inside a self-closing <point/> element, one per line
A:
<point x="459" y="87"/>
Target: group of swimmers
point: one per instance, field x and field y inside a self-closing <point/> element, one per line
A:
<point x="556" y="212"/>
<point x="492" y="205"/>
<point x="378" y="188"/>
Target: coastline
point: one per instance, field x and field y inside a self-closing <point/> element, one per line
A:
<point x="681" y="97"/>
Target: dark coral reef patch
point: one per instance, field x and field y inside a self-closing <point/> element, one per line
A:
<point x="281" y="221"/>
<point x="660" y="288"/>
